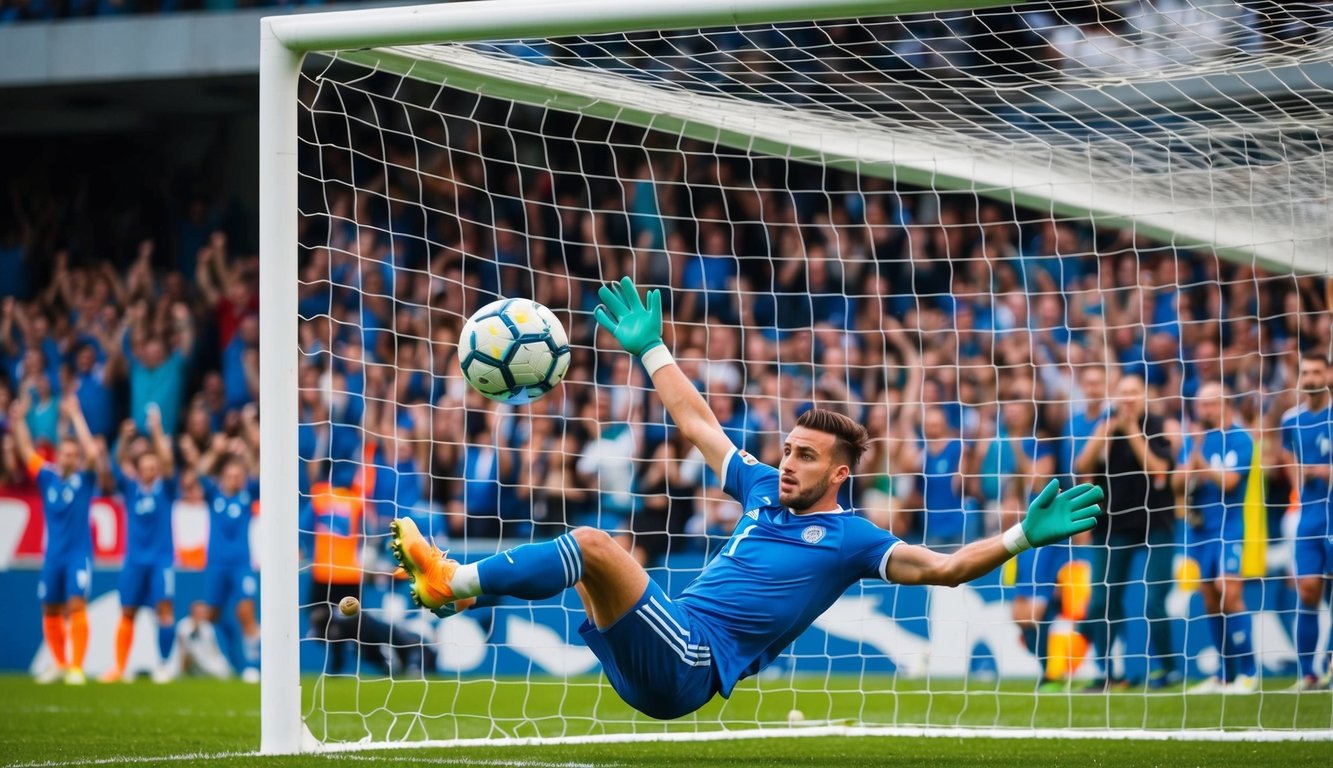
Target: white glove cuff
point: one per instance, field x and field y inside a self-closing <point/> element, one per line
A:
<point x="1015" y="540"/>
<point x="656" y="357"/>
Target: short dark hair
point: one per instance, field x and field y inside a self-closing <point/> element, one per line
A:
<point x="229" y="459"/>
<point x="852" y="439"/>
<point x="1310" y="354"/>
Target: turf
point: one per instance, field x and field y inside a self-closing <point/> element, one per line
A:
<point x="210" y="723"/>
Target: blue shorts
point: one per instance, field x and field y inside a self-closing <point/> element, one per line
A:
<point x="63" y="578"/>
<point x="226" y="583"/>
<point x="1216" y="557"/>
<point x="658" y="663"/>
<point x="1038" y="570"/>
<point x="146" y="585"/>
<point x="1313" y="555"/>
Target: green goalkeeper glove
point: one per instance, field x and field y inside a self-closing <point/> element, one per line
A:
<point x="637" y="327"/>
<point x="1055" y="516"/>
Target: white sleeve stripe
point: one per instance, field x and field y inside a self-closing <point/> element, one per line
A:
<point x="726" y="462"/>
<point x="884" y="561"/>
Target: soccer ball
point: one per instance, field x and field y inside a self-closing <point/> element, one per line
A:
<point x="513" y="350"/>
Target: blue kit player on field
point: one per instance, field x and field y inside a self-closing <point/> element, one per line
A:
<point x="229" y="575"/>
<point x="67" y="488"/>
<point x="792" y="553"/>
<point x="1036" y="602"/>
<point x="145" y="478"/>
<point x="944" y="523"/>
<point x="1307" y="438"/>
<point x="1218" y="469"/>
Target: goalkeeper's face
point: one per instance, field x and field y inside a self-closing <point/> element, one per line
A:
<point x="809" y="473"/>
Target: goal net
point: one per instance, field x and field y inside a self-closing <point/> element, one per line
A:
<point x="964" y="228"/>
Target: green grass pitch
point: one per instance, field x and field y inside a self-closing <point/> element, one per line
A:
<point x="211" y="723"/>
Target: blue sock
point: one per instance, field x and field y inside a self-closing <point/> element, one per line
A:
<point x="1217" y="631"/>
<point x="166" y="637"/>
<point x="533" y="571"/>
<point x="1307" y="637"/>
<point x="1240" y="647"/>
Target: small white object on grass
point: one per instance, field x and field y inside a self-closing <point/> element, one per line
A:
<point x="795" y="716"/>
<point x="349" y="606"/>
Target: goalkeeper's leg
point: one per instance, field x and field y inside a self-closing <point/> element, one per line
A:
<point x="613" y="582"/>
<point x="610" y="580"/>
<point x="657" y="661"/>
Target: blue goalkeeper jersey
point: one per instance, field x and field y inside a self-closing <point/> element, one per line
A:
<point x="777" y="573"/>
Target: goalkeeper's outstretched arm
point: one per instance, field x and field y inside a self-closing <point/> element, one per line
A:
<point x="638" y="328"/>
<point x="1053" y="516"/>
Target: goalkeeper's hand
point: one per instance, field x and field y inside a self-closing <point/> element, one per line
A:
<point x="1055" y="515"/>
<point x="637" y="327"/>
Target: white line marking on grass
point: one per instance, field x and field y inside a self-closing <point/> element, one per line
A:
<point x="189" y="757"/>
<point x="397" y="760"/>
<point x="858" y="731"/>
<point x="53" y="709"/>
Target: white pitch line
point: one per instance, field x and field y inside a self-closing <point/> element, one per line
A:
<point x="185" y="758"/>
<point x="200" y="756"/>
<point x="51" y="709"/>
<point x="460" y="761"/>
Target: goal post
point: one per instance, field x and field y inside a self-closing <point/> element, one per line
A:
<point x="520" y="19"/>
<point x="1252" y="192"/>
<point x="281" y="729"/>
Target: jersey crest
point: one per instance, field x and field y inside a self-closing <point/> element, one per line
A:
<point x="813" y="534"/>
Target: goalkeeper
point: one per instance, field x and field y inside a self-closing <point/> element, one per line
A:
<point x="793" y="553"/>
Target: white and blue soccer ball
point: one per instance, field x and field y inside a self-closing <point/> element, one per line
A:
<point x="513" y="350"/>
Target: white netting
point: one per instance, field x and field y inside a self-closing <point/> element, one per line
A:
<point x="889" y="217"/>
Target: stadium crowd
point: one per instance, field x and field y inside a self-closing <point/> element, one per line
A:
<point x="1102" y="38"/>
<point x="979" y="344"/>
<point x="49" y="10"/>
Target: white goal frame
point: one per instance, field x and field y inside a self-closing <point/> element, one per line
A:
<point x="286" y="39"/>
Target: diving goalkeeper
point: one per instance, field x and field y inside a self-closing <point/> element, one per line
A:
<point x="792" y="554"/>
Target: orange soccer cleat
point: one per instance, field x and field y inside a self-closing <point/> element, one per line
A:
<point x="427" y="567"/>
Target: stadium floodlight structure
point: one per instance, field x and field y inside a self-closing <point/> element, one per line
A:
<point x="1198" y="142"/>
